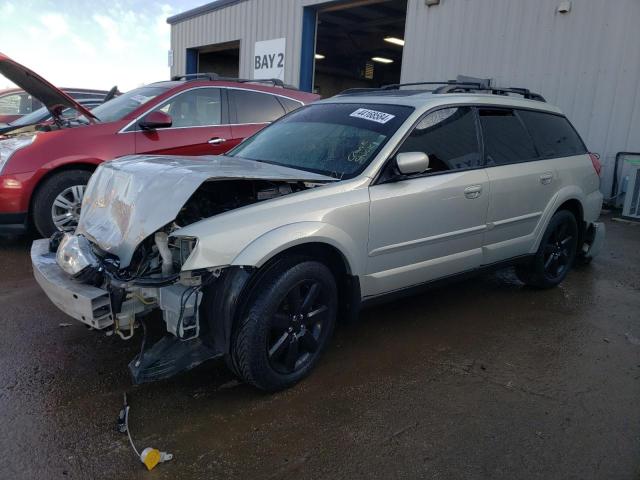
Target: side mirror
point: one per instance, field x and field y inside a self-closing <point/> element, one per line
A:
<point x="155" y="120"/>
<point x="412" y="162"/>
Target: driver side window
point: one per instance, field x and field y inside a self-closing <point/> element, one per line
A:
<point x="195" y="108"/>
<point x="449" y="137"/>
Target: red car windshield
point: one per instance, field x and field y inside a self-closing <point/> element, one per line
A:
<point x="126" y="103"/>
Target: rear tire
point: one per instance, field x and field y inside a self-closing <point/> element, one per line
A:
<point x="556" y="253"/>
<point x="285" y="324"/>
<point x="67" y="187"/>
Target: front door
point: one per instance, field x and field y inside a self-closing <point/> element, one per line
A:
<point x="431" y="225"/>
<point x="199" y="125"/>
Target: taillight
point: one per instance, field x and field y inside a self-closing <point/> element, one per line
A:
<point x="595" y="159"/>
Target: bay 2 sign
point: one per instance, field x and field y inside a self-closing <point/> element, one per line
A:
<point x="269" y="58"/>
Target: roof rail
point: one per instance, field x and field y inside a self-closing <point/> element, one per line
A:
<point x="455" y="86"/>
<point x="526" y="93"/>
<point x="214" y="76"/>
<point x="456" y="83"/>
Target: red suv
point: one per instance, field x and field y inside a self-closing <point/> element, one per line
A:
<point x="44" y="169"/>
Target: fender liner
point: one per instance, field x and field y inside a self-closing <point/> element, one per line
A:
<point x="219" y="307"/>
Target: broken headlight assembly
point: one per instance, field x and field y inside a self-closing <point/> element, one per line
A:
<point x="75" y="256"/>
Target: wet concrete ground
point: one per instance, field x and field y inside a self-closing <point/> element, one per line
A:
<point x="481" y="379"/>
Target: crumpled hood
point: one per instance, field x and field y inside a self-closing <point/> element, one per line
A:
<point x="129" y="199"/>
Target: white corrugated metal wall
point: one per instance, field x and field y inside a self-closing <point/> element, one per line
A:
<point x="586" y="61"/>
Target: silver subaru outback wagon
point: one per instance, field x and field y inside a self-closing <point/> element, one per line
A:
<point x="253" y="256"/>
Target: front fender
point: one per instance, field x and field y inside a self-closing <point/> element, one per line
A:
<point x="268" y="245"/>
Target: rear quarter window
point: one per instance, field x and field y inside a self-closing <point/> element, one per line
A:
<point x="255" y="107"/>
<point x="288" y="104"/>
<point x="553" y="135"/>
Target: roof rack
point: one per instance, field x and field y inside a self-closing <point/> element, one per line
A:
<point x="215" y="77"/>
<point x="467" y="84"/>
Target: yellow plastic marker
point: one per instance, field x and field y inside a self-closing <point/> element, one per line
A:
<point x="152" y="457"/>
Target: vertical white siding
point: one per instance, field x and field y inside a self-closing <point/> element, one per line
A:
<point x="586" y="61"/>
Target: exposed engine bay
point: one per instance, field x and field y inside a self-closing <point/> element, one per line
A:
<point x="153" y="277"/>
<point x="213" y="198"/>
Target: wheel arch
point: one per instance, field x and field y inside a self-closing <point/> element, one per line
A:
<point x="86" y="166"/>
<point x="569" y="198"/>
<point x="301" y="235"/>
<point x="316" y="248"/>
<point x="349" y="293"/>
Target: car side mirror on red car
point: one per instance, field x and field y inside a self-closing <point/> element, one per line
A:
<point x="155" y="120"/>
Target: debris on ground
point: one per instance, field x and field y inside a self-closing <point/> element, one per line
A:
<point x="151" y="457"/>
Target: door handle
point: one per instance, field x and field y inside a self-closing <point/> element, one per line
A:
<point x="216" y="141"/>
<point x="546" y="178"/>
<point x="473" y="191"/>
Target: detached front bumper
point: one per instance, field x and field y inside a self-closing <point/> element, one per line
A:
<point x="88" y="304"/>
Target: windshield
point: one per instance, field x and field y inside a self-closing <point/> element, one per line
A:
<point x="126" y="103"/>
<point x="335" y="139"/>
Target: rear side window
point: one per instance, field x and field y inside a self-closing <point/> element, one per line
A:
<point x="553" y="135"/>
<point x="288" y="104"/>
<point x="255" y="107"/>
<point x="449" y="137"/>
<point x="505" y="138"/>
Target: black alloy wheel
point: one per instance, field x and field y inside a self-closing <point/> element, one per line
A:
<point x="298" y="327"/>
<point x="555" y="255"/>
<point x="558" y="251"/>
<point x="285" y="323"/>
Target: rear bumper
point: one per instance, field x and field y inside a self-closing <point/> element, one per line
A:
<point x="11" y="223"/>
<point x="85" y="303"/>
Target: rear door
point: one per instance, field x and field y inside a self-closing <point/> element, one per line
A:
<point x="251" y="111"/>
<point x="522" y="184"/>
<point x="200" y="125"/>
<point x="430" y="225"/>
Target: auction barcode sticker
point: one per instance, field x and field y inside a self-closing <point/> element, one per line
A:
<point x="372" y="115"/>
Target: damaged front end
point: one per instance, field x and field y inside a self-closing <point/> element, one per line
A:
<point x="126" y="258"/>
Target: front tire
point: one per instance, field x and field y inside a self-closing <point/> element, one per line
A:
<point x="555" y="255"/>
<point x="286" y="324"/>
<point x="56" y="205"/>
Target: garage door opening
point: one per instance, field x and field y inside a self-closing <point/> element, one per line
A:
<point x="359" y="45"/>
<point x="222" y="58"/>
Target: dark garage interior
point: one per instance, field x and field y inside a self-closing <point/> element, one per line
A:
<point x="359" y="44"/>
<point x="223" y="59"/>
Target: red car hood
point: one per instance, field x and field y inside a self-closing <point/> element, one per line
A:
<point x="51" y="97"/>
